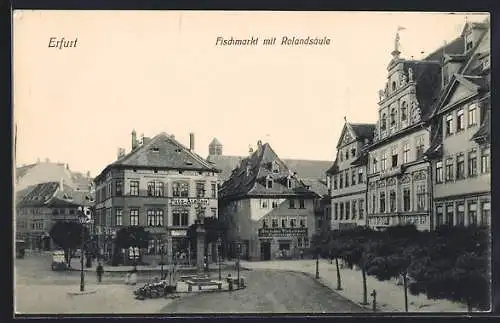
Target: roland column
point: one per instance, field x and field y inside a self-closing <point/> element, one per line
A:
<point x="200" y="245"/>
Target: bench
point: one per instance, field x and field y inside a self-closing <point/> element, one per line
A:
<point x="201" y="284"/>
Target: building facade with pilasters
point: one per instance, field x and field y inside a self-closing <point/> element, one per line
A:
<point x="400" y="177"/>
<point x="460" y="150"/>
<point x="347" y="177"/>
<point x="160" y="185"/>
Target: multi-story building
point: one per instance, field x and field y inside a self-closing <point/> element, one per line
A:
<point x="47" y="171"/>
<point x="399" y="180"/>
<point x="160" y="185"/>
<point x="40" y="206"/>
<point x="347" y="176"/>
<point x="461" y="146"/>
<point x="305" y="169"/>
<point x="266" y="207"/>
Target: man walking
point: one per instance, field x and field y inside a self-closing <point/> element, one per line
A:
<point x="99" y="271"/>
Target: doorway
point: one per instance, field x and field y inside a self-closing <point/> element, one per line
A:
<point x="265" y="250"/>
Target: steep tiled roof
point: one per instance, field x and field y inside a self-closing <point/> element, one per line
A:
<point x="455" y="47"/>
<point x="333" y="169"/>
<point x="484" y="132"/>
<point x="312" y="169"/>
<point x="318" y="186"/>
<point x="225" y="164"/>
<point x="50" y="194"/>
<point x="249" y="179"/>
<point x="163" y="151"/>
<point x="44" y="172"/>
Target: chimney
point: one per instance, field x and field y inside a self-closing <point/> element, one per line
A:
<point x="250" y="150"/>
<point x="121" y="153"/>
<point x="191" y="141"/>
<point x="259" y="144"/>
<point x="67" y="166"/>
<point x="134" y="139"/>
<point x="88" y="174"/>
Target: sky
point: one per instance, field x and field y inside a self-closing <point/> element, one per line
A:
<point x="160" y="71"/>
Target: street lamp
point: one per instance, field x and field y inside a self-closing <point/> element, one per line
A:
<point x="238" y="250"/>
<point x="317" y="263"/>
<point x="161" y="262"/>
<point x="84" y="217"/>
<point x="218" y="256"/>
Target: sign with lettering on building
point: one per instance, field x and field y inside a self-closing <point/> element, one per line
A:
<point x="282" y="232"/>
<point x="188" y="202"/>
<point x="178" y="233"/>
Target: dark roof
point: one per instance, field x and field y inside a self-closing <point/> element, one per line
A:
<point x="363" y="130"/>
<point x="318" y="186"/>
<point x="23" y="170"/>
<point x="50" y="194"/>
<point x="215" y="142"/>
<point x="249" y="179"/>
<point x="361" y="160"/>
<point x="313" y="169"/>
<point x="484" y="132"/>
<point x="455" y="47"/>
<point x="333" y="169"/>
<point x="225" y="164"/>
<point x="163" y="151"/>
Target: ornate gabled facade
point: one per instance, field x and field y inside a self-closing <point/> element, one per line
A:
<point x="347" y="176"/>
<point x="266" y="207"/>
<point x="161" y="185"/>
<point x="460" y="150"/>
<point x="399" y="184"/>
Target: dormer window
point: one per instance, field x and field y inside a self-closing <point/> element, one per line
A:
<point x="275" y="167"/>
<point x="269" y="181"/>
<point x="155" y="149"/>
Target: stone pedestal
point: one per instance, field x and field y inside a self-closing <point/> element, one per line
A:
<point x="200" y="247"/>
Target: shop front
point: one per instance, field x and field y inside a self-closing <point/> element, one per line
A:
<point x="282" y="243"/>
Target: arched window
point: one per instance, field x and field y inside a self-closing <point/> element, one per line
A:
<point x="383" y="123"/>
<point x="393" y="117"/>
<point x="269" y="181"/>
<point x="393" y="85"/>
<point x="404" y="111"/>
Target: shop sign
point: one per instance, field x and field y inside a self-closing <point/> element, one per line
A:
<point x="188" y="202"/>
<point x="282" y="232"/>
<point x="178" y="233"/>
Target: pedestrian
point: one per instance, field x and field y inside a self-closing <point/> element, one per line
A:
<point x="99" y="271"/>
<point x="301" y="253"/>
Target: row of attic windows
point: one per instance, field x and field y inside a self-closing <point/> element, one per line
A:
<point x="270" y="181"/>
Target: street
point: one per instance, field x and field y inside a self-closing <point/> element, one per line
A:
<point x="40" y="290"/>
<point x="268" y="292"/>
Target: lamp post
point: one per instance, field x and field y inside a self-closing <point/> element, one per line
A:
<point x="317" y="264"/>
<point x="218" y="256"/>
<point x="84" y="218"/>
<point x="238" y="250"/>
<point x="161" y="262"/>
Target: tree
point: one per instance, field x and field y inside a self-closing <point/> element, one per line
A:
<point x="336" y="248"/>
<point x="394" y="253"/>
<point x="358" y="245"/>
<point x="68" y="236"/>
<point x="132" y="236"/>
<point x="456" y="267"/>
